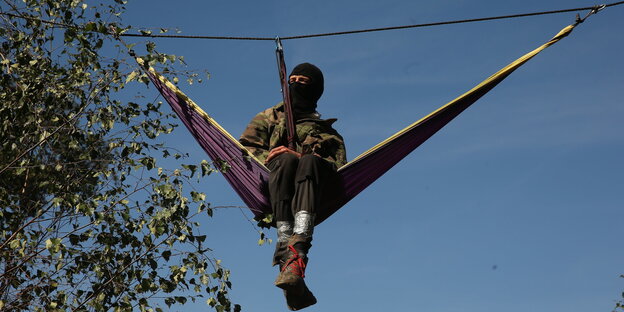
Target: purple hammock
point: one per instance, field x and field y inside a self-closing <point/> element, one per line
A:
<point x="248" y="176"/>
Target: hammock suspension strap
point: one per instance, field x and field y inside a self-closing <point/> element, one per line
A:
<point x="290" y="121"/>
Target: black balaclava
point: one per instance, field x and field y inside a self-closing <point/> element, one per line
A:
<point x="304" y="97"/>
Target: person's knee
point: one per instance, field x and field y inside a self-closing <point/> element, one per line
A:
<point x="308" y="167"/>
<point x="284" y="160"/>
<point x="309" y="159"/>
<point x="288" y="158"/>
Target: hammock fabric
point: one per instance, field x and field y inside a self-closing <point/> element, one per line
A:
<point x="249" y="177"/>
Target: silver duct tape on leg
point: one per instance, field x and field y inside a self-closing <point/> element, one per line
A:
<point x="284" y="230"/>
<point x="304" y="223"/>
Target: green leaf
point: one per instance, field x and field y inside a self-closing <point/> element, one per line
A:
<point x="148" y="162"/>
<point x="53" y="245"/>
<point x="205" y="168"/>
<point x="211" y="302"/>
<point x="166" y="255"/>
<point x="15" y="244"/>
<point x="191" y="168"/>
<point x="91" y="26"/>
<point x="196" y="196"/>
<point x="149" y="45"/>
<point x="74" y="239"/>
<point x="132" y="76"/>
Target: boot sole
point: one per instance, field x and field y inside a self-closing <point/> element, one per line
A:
<point x="296" y="287"/>
<point x="299" y="302"/>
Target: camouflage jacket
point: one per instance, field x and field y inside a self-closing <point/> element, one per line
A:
<point x="267" y="130"/>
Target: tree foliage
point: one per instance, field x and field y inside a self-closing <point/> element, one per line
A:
<point x="619" y="305"/>
<point x="89" y="221"/>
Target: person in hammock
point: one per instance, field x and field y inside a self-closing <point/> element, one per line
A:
<point x="300" y="178"/>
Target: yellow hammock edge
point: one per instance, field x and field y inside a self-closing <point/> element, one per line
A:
<point x="197" y="108"/>
<point x="511" y="67"/>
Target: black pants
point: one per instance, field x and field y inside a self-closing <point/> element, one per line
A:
<point x="298" y="184"/>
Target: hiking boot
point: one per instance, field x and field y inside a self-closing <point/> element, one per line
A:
<point x="292" y="273"/>
<point x="304" y="300"/>
<point x="292" y="270"/>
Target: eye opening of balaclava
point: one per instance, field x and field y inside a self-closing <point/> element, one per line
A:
<point x="305" y="96"/>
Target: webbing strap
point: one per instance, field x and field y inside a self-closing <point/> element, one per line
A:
<point x="290" y="121"/>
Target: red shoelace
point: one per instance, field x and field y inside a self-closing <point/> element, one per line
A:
<point x="297" y="262"/>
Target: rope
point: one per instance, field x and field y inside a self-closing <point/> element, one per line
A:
<point x="449" y="22"/>
<point x="339" y="33"/>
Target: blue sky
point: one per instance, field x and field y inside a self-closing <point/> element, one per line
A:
<point x="514" y="206"/>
